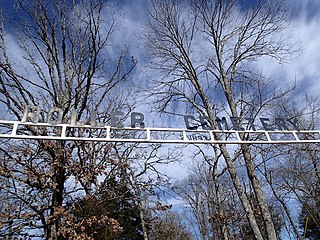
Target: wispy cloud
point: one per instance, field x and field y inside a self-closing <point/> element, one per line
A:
<point x="303" y="69"/>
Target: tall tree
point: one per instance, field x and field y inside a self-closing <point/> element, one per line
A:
<point x="309" y="218"/>
<point x="215" y="207"/>
<point x="113" y="200"/>
<point x="292" y="171"/>
<point x="168" y="225"/>
<point x="205" y="52"/>
<point x="141" y="172"/>
<point x="67" y="64"/>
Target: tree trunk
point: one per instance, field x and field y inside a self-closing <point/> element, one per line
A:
<point x="235" y="179"/>
<point x="143" y="222"/>
<point x="223" y="229"/>
<point x="267" y="218"/>
<point x="242" y="195"/>
<point x="57" y="195"/>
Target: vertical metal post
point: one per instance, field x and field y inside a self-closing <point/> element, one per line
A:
<point x="108" y="133"/>
<point x="148" y="134"/>
<point x="184" y="136"/>
<point x="63" y="131"/>
<point x="14" y="129"/>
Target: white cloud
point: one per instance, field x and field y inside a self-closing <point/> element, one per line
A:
<point x="304" y="68"/>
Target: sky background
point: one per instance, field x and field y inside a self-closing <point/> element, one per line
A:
<point x="305" y="31"/>
<point x="304" y="69"/>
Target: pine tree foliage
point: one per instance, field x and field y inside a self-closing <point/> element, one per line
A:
<point x="309" y="218"/>
<point x="116" y="201"/>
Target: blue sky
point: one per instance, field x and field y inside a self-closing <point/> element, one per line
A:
<point x="305" y="31"/>
<point x="302" y="70"/>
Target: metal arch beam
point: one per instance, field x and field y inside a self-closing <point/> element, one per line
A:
<point x="67" y="132"/>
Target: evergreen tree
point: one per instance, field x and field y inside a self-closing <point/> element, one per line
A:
<point x="309" y="218"/>
<point x="116" y="201"/>
<point x="119" y="200"/>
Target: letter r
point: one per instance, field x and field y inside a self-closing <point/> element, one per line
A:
<point x="137" y="118"/>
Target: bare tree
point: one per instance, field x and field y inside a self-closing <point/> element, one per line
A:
<point x="211" y="201"/>
<point x="141" y="162"/>
<point x="168" y="225"/>
<point x="294" y="176"/>
<point x="205" y="52"/>
<point x="67" y="64"/>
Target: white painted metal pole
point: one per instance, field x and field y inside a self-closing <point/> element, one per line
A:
<point x="185" y="136"/>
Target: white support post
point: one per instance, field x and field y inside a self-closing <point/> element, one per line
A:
<point x="148" y="134"/>
<point x="108" y="133"/>
<point x="211" y="135"/>
<point x="63" y="131"/>
<point x="14" y="129"/>
<point x="268" y="136"/>
<point x="295" y="135"/>
<point x="185" y="138"/>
